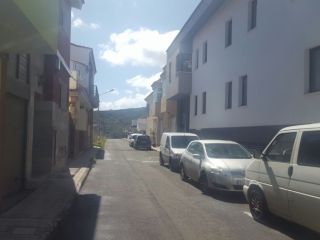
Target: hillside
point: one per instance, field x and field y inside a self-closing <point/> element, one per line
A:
<point x="115" y="122"/>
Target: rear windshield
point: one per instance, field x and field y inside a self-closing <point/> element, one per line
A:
<point x="144" y="139"/>
<point x="226" y="150"/>
<point x="182" y="141"/>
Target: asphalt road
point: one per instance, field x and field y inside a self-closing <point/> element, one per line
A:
<point x="129" y="196"/>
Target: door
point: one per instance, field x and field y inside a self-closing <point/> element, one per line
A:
<point x="304" y="195"/>
<point x="195" y="162"/>
<point x="166" y="150"/>
<point x="274" y="173"/>
<point x="15" y="143"/>
<point x="188" y="158"/>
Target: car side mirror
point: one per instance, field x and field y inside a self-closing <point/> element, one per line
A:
<point x="197" y="156"/>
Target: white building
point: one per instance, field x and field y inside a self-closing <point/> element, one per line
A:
<point x="255" y="67"/>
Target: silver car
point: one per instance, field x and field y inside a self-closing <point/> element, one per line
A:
<point x="215" y="164"/>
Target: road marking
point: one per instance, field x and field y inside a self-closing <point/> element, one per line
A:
<point x="247" y="213"/>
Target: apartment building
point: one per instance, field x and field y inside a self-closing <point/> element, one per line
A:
<point x="83" y="98"/>
<point x="153" y="105"/>
<point x="255" y="68"/>
<point x="35" y="54"/>
<point x="168" y="109"/>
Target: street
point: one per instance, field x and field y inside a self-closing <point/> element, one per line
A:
<point x="130" y="196"/>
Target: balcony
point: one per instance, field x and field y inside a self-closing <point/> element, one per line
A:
<point x="180" y="84"/>
<point x="95" y="98"/>
<point x="33" y="26"/>
<point x="168" y="106"/>
<point x="154" y="110"/>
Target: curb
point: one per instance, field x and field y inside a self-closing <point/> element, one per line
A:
<point x="80" y="177"/>
<point x="155" y="149"/>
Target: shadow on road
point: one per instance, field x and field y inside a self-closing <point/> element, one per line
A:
<point x="224" y="196"/>
<point x="290" y="229"/>
<point x="230" y="197"/>
<point x="82" y="219"/>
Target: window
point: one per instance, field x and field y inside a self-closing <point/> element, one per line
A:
<point x="167" y="142"/>
<point x="204" y="102"/>
<point x="228" y="101"/>
<point x="192" y="148"/>
<point x="170" y="70"/>
<point x="195" y="105"/>
<point x="309" y="152"/>
<point x="252" y="18"/>
<point x="182" y="141"/>
<point x="314" y="84"/>
<point x="197" y="59"/>
<point x="198" y="149"/>
<point x="205" y="52"/>
<point x="22" y="67"/>
<point x="243" y="85"/>
<point x="228" y="33"/>
<point x="281" y="148"/>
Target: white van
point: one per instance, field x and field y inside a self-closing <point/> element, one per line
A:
<point x="172" y="145"/>
<point x="286" y="180"/>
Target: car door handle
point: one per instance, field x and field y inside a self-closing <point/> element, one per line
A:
<point x="290" y="171"/>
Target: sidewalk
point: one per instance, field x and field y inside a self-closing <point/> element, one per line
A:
<point x="36" y="216"/>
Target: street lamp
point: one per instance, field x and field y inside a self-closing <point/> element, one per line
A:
<point x="99" y="121"/>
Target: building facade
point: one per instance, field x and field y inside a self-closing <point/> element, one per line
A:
<point x="257" y="70"/>
<point x="83" y="98"/>
<point x="154" y="105"/>
<point x="34" y="91"/>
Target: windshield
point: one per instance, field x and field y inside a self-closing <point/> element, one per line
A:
<point x="226" y="150"/>
<point x="182" y="141"/>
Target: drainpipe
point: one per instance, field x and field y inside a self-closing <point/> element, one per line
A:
<point x="3" y="68"/>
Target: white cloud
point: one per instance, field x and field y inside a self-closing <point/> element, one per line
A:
<point x="79" y="23"/>
<point x="143" y="82"/>
<point x="94" y="25"/>
<point x="143" y="47"/>
<point x="133" y="101"/>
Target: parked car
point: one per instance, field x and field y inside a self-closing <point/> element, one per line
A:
<point x="142" y="142"/>
<point x="172" y="146"/>
<point x="132" y="137"/>
<point x="285" y="181"/>
<point x="215" y="164"/>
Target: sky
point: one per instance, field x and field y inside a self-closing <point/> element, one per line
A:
<point x="129" y="39"/>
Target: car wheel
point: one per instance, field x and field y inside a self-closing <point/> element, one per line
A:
<point x="257" y="204"/>
<point x="161" y="160"/>
<point x="183" y="173"/>
<point x="171" y="165"/>
<point x="203" y="182"/>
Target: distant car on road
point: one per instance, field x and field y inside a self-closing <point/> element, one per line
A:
<point x="142" y="142"/>
<point x="215" y="164"/>
<point x="172" y="146"/>
<point x="132" y="137"/>
<point x="285" y="180"/>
